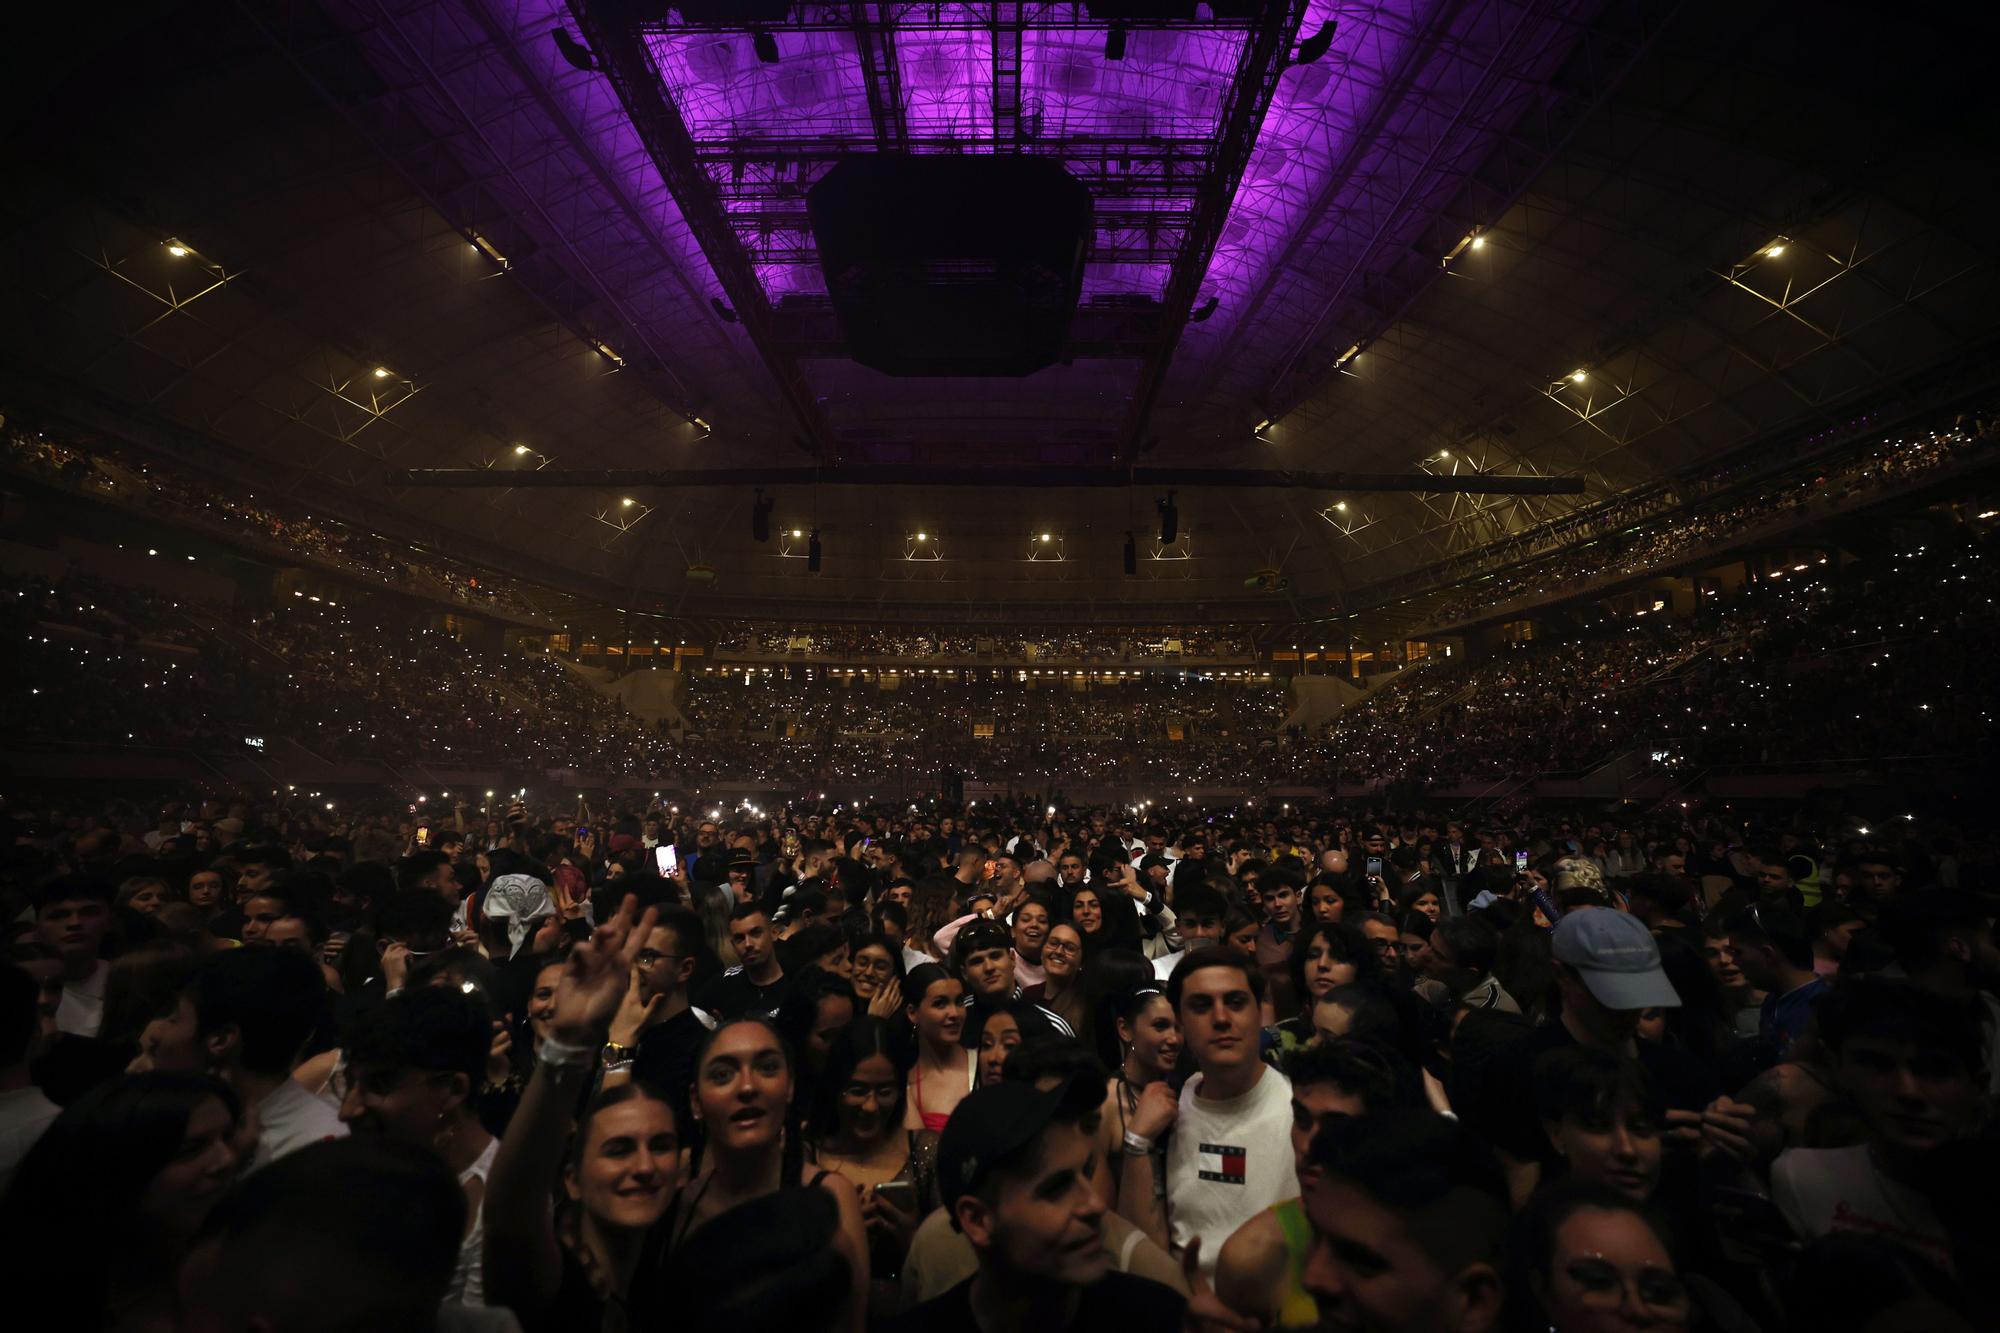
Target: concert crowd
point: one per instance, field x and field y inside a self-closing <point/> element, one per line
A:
<point x="623" y="1065"/>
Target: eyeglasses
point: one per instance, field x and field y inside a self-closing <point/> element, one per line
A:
<point x="1062" y="948"/>
<point x="653" y="957"/>
<point x="875" y="967"/>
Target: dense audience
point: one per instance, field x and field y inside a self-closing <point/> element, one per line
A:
<point x="1889" y="662"/>
<point x="110" y="473"/>
<point x="266" y="1065"/>
<point x="1894" y="664"/>
<point x="1083" y="644"/>
<point x="1618" y="547"/>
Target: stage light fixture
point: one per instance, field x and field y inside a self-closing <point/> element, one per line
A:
<point x="1170" y="519"/>
<point x="766" y="47"/>
<point x="760" y="517"/>
<point x="1577" y="377"/>
<point x="721" y="308"/>
<point x="576" y="53"/>
<point x="1131" y="555"/>
<point x="177" y="250"/>
<point x="1204" y="310"/>
<point x="1315" y="46"/>
<point x="381" y="372"/>
<point x="1479" y="242"/>
<point x="812" y="553"/>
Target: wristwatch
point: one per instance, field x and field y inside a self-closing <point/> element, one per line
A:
<point x="614" y="1054"/>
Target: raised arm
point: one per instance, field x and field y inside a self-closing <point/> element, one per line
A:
<point x="523" y="1260"/>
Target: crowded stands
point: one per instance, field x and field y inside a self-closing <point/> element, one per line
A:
<point x="1715" y="511"/>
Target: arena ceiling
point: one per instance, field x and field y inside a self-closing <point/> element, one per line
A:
<point x="1614" y="241"/>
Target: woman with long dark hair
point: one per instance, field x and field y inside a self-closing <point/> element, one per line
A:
<point x="942" y="1074"/>
<point x="1063" y="990"/>
<point x="128" y="1171"/>
<point x="1149" y="1035"/>
<point x="1325" y="955"/>
<point x="751" y="1147"/>
<point x="857" y="1129"/>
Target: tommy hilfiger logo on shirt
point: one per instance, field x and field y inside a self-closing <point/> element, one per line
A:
<point x="1218" y="1161"/>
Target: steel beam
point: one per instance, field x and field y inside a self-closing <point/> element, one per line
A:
<point x="1264" y="58"/>
<point x="1036" y="478"/>
<point x="622" y="55"/>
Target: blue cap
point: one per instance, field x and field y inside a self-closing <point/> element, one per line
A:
<point x="1617" y="958"/>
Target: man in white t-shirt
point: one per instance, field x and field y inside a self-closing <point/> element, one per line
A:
<point x="71" y="916"/>
<point x="1908" y="1061"/>
<point x="255" y="1009"/>
<point x="1231" y="1152"/>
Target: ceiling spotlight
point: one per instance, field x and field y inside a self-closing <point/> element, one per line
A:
<point x="1131" y="555"/>
<point x="766" y="47"/>
<point x="1204" y="310"/>
<point x="628" y="502"/>
<point x="920" y="536"/>
<point x="1315" y="46"/>
<point x="812" y="553"/>
<point x="1340" y="505"/>
<point x="1114" y="44"/>
<point x="177" y="250"/>
<point x="1774" y="249"/>
<point x="381" y="372"/>
<point x="520" y="449"/>
<point x="1261" y="426"/>
<point x="760" y="517"/>
<point x="1048" y="536"/>
<point x="721" y="308"/>
<point x="1170" y="518"/>
<point x="796" y="534"/>
<point x="576" y="53"/>
<point x="1479" y="242"/>
<point x="1577" y="377"/>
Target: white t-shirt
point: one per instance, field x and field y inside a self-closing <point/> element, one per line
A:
<point x="1820" y="1190"/>
<point x="81" y="1012"/>
<point x="1163" y="966"/>
<point x="24" y="1114"/>
<point x="1228" y="1161"/>
<point x="290" y="1119"/>
<point x="468" y="1279"/>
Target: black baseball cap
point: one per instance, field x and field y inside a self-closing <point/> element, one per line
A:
<point x="991" y="1124"/>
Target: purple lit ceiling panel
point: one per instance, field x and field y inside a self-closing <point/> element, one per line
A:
<point x="725" y="93"/>
<point x="1171" y="83"/>
<point x="947" y="82"/>
<point x="1135" y="130"/>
